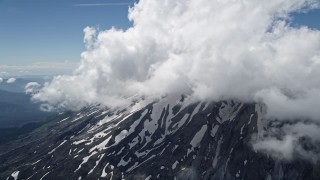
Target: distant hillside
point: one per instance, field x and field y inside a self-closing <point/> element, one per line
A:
<point x="16" y="109"/>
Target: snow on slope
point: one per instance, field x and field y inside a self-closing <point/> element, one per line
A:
<point x="164" y="139"/>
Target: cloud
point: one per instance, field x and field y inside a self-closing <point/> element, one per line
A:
<point x="216" y="50"/>
<point x="32" y="88"/>
<point x="282" y="148"/>
<point x="209" y="49"/>
<point x="102" y="4"/>
<point x="1" y="80"/>
<point x="11" y="80"/>
<point x="42" y="68"/>
<point x="297" y="140"/>
<point x="41" y="65"/>
<point x="4" y="73"/>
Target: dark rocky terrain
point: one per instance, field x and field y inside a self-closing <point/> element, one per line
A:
<point x="168" y="139"/>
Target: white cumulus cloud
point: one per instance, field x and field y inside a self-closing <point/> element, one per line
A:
<point x="32" y="88"/>
<point x="214" y="49"/>
<point x="11" y="80"/>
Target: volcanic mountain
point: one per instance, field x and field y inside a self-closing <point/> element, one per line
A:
<point x="171" y="138"/>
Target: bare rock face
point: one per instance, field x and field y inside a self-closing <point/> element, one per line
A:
<point x="168" y="139"/>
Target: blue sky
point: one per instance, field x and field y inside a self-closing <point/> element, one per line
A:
<point x="41" y="31"/>
<point x="37" y="31"/>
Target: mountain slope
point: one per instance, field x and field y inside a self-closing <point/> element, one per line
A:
<point x="169" y="139"/>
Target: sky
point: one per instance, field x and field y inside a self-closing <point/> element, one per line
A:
<point x="46" y="33"/>
<point x="46" y="37"/>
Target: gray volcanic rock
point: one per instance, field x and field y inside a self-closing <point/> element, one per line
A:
<point x="168" y="139"/>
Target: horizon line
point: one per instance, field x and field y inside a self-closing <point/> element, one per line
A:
<point x="101" y="4"/>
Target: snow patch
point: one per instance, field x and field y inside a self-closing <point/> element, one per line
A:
<point x="134" y="142"/>
<point x="63" y="120"/>
<point x="104" y="174"/>
<point x="241" y="130"/>
<point x="15" y="175"/>
<point x="205" y="106"/>
<point x="77" y="119"/>
<point x="123" y="162"/>
<point x="97" y="162"/>
<point x="136" y="123"/>
<point x="250" y="119"/>
<point x="79" y="142"/>
<point x="120" y="136"/>
<point x="238" y="173"/>
<point x="132" y="167"/>
<point x="36" y="162"/>
<point x="181" y="122"/>
<point x="195" y="111"/>
<point x="57" y="147"/>
<point x="101" y="146"/>
<point x="85" y="160"/>
<point x="216" y="156"/>
<point x="198" y="137"/>
<point x="174" y="165"/>
<point x="214" y="130"/>
<point x="44" y="175"/>
<point x="225" y="168"/>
